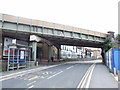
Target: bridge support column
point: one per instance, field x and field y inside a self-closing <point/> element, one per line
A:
<point x="34" y="51"/>
<point x="58" y="52"/>
<point x="49" y="53"/>
<point x="103" y="55"/>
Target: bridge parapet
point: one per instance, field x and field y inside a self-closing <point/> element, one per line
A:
<point x="19" y="24"/>
<point x="20" y="20"/>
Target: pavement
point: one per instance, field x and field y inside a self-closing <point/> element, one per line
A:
<point x="61" y="75"/>
<point x="102" y="78"/>
<point x="118" y="85"/>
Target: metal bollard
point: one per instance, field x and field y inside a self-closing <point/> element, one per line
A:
<point x="118" y="76"/>
<point x="115" y="73"/>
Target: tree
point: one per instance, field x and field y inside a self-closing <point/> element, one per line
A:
<point x="118" y="41"/>
<point x="118" y="37"/>
<point x="108" y="44"/>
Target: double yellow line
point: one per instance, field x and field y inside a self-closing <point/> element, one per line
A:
<point x="84" y="83"/>
<point x="14" y="75"/>
<point x="6" y="78"/>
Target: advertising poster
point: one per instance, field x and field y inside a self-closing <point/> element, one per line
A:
<point x="22" y="54"/>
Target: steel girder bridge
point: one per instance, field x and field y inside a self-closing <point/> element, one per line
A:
<point x="21" y="28"/>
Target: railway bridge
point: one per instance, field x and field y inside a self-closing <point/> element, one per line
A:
<point x="37" y="31"/>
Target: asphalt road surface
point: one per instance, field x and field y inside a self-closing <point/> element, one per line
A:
<point x="63" y="76"/>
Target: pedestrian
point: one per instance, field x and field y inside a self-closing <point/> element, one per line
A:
<point x="52" y="58"/>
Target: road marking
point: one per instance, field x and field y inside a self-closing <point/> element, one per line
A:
<point x="42" y="77"/>
<point x="31" y="86"/>
<point x="86" y="77"/>
<point x="14" y="74"/>
<point x="89" y="77"/>
<point x="69" y="67"/>
<point x="25" y="72"/>
<point x="84" y="83"/>
<point x="54" y="75"/>
<point x="31" y="70"/>
<point x="27" y="77"/>
<point x="35" y="77"/>
<point x="31" y="83"/>
<point x="10" y="77"/>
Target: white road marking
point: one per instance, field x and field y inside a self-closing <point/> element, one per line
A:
<point x="54" y="75"/>
<point x="69" y="67"/>
<point x="31" y="83"/>
<point x="89" y="77"/>
<point x="84" y="83"/>
<point x="31" y="86"/>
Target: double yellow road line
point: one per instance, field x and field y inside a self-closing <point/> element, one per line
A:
<point x="6" y="78"/>
<point x="14" y="75"/>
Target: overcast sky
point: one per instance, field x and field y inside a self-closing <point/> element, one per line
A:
<point x="96" y="15"/>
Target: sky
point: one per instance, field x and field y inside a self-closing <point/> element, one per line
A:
<point x="95" y="15"/>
